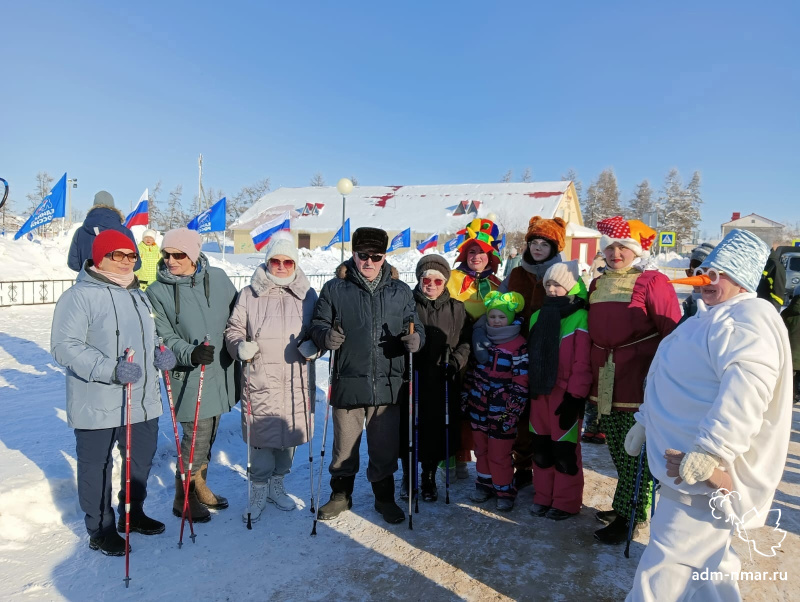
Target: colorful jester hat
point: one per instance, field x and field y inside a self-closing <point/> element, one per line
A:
<point x="633" y="234"/>
<point x="485" y="234"/>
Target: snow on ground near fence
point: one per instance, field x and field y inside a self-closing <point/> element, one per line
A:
<point x="460" y="551"/>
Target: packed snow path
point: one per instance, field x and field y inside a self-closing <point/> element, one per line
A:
<point x="457" y="551"/>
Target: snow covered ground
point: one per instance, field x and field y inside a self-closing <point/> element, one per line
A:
<point x="460" y="551"/>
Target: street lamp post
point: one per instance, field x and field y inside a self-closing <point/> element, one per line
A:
<point x="345" y="187"/>
<point x="74" y="182"/>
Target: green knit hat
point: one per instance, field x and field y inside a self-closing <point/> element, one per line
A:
<point x="509" y="303"/>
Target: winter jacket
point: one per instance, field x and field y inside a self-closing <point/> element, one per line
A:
<point x="368" y="367"/>
<point x="281" y="386"/>
<point x="791" y="318"/>
<point x="150" y="255"/>
<point x="630" y="311"/>
<point x="187" y="308"/>
<point x="447" y="325"/>
<point x="723" y="382"/>
<point x="527" y="281"/>
<point x="99" y="218"/>
<point x="94" y="322"/>
<point x="463" y="287"/>
<point x="772" y="286"/>
<point x="495" y="394"/>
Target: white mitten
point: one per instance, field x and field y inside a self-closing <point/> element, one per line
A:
<point x="635" y="439"/>
<point x="247" y="350"/>
<point x="697" y="466"/>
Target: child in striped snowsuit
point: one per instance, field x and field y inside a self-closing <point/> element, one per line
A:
<point x="495" y="395"/>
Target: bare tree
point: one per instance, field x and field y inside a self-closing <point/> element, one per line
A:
<point x="354" y="180"/>
<point x="317" y="180"/>
<point x="244" y="199"/>
<point x="5" y="211"/>
<point x="527" y="175"/>
<point x="155" y="214"/>
<point x="507" y="176"/>
<point x="42" y="189"/>
<point x="175" y="216"/>
<point x="514" y="225"/>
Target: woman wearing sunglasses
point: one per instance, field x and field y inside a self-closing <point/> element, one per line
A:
<point x="94" y="323"/>
<point x="268" y="324"/>
<point x="190" y="300"/>
<point x="448" y="328"/>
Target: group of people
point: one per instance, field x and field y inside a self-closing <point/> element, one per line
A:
<point x="504" y="370"/>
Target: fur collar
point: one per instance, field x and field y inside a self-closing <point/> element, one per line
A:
<point x="261" y="284"/>
<point x="341" y="271"/>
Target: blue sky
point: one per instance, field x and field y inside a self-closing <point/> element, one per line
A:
<point x="121" y="95"/>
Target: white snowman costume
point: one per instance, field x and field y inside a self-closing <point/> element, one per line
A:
<point x="720" y="383"/>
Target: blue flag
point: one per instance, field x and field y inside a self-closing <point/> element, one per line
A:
<point x="338" y="236"/>
<point x="401" y="240"/>
<point x="501" y="245"/>
<point x="211" y="220"/>
<point x="51" y="207"/>
<point x="452" y="244"/>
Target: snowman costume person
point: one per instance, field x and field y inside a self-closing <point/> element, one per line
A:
<point x="716" y="414"/>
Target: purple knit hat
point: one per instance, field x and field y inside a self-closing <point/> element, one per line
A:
<point x="185" y="240"/>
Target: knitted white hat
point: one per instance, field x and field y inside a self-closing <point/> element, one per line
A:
<point x="281" y="243"/>
<point x="565" y="273"/>
<point x="150" y="233"/>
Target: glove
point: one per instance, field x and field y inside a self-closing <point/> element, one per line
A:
<point x="246" y="350"/>
<point x="334" y="338"/>
<point x="411" y="342"/>
<point x="698" y="465"/>
<point x="127" y="372"/>
<point x="165" y="360"/>
<point x="203" y="354"/>
<point x="569" y="410"/>
<point x="308" y="349"/>
<point x="451" y="370"/>
<point x="635" y="439"/>
<point x="480" y="345"/>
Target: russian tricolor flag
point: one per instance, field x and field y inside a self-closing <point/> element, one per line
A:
<point x="140" y="216"/>
<point x="430" y="243"/>
<point x="264" y="232"/>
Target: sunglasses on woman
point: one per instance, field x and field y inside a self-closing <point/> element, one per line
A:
<point x="119" y="256"/>
<point x="287" y="264"/>
<point x="428" y="281"/>
<point x="712" y="273"/>
<point x="365" y="256"/>
<point x="176" y="256"/>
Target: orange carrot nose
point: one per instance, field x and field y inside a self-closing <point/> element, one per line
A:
<point x="700" y="280"/>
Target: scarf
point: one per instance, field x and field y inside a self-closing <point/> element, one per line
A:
<point x="370" y="286"/>
<point x="539" y="269"/>
<point x="502" y="334"/>
<point x="544" y="342"/>
<point x="281" y="281"/>
<point x="482" y="284"/>
<point x="123" y="280"/>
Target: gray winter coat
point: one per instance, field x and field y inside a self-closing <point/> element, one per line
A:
<point x="281" y="384"/>
<point x="94" y="322"/>
<point x="186" y="309"/>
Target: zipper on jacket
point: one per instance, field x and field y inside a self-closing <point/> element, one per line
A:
<point x="283" y="364"/>
<point x="144" y="352"/>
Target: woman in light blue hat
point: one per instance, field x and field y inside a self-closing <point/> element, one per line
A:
<point x="717" y="418"/>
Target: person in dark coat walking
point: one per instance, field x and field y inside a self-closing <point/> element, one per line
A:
<point x="791" y="317"/>
<point x="363" y="315"/>
<point x="102" y="216"/>
<point x="447" y="328"/>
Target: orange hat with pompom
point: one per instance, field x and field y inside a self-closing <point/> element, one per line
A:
<point x="554" y="230"/>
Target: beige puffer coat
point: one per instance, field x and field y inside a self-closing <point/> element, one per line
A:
<point x="282" y="386"/>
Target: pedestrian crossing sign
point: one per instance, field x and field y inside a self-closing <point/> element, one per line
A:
<point x="666" y="239"/>
<point x="796" y="242"/>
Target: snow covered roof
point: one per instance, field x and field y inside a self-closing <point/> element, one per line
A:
<point x="753" y="219"/>
<point x="442" y="208"/>
<point x="576" y="231"/>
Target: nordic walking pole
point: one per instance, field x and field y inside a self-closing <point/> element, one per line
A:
<point x="635" y="503"/>
<point x="168" y="386"/>
<point x="128" y="395"/>
<point x="191" y="450"/>
<point x="446" y="426"/>
<point x="411" y="467"/>
<point x="249" y="419"/>
<point x="312" y="398"/>
<point x="653" y="496"/>
<point x="416" y="443"/>
<point x="331" y="359"/>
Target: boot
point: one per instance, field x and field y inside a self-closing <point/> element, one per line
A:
<point x="109" y="544"/>
<point x="606" y="516"/>
<point x="615" y="533"/>
<point x="384" y="501"/>
<point x="198" y="511"/>
<point x="258" y="501"/>
<point x="141" y="523"/>
<point x="504" y="504"/>
<point x="539" y="510"/>
<point x="341" y="498"/>
<point x="205" y="495"/>
<point x="429" y="491"/>
<point x="277" y="494"/>
<point x="462" y="471"/>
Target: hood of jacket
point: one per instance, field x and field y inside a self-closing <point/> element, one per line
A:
<point x="262" y="284"/>
<point x="177" y="282"/>
<point x="102" y="217"/>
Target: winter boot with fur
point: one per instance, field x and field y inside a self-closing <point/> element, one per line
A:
<point x="341" y="498"/>
<point x="384" y="501"/>
<point x="198" y="511"/>
<point x="205" y="495"/>
<point x="277" y="494"/>
<point x="258" y="501"/>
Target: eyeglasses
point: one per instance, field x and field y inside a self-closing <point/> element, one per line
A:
<point x="119" y="256"/>
<point x="436" y="281"/>
<point x="176" y="256"/>
<point x="365" y="256"/>
<point x="712" y="273"/>
<point x="287" y="264"/>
